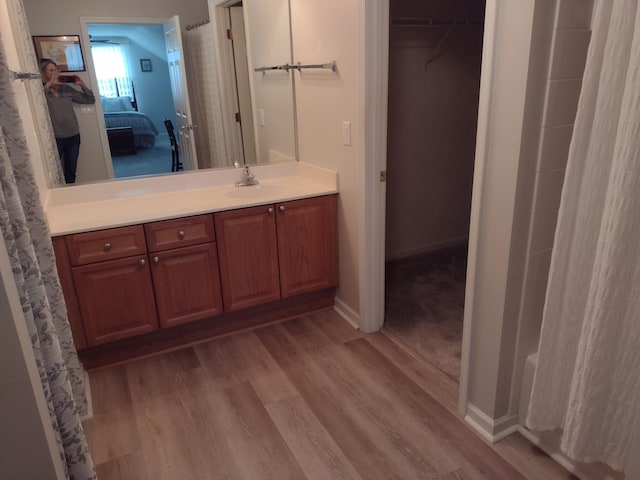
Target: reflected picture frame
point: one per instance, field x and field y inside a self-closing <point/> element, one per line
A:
<point x="145" y="65"/>
<point x="64" y="50"/>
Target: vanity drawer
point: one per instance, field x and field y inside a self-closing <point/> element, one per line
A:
<point x="104" y="245"/>
<point x="181" y="232"/>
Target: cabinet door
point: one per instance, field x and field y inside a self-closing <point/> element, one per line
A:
<point x="248" y="253"/>
<point x="116" y="299"/>
<point x="307" y="244"/>
<point x="187" y="284"/>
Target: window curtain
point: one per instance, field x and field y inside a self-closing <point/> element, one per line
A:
<point x="113" y="70"/>
<point x="26" y="234"/>
<point x="587" y="380"/>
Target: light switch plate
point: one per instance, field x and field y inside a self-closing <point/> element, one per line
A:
<point x="346" y="133"/>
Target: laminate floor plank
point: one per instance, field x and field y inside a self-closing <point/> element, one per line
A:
<point x="335" y="327"/>
<point x="419" y="447"/>
<point x="242" y="358"/>
<point x="256" y="443"/>
<point x="159" y="375"/>
<point x="410" y="445"/>
<point x="310" y="398"/>
<point x="348" y="426"/>
<point x="471" y="450"/>
<point x="316" y="451"/>
<point x="111" y="431"/>
<point x="110" y="389"/>
<point x="530" y="460"/>
<point x="180" y="432"/>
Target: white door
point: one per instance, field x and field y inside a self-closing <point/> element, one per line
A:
<point x="242" y="80"/>
<point x="178" y="77"/>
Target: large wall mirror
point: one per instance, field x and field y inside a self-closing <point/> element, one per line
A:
<point x="198" y="64"/>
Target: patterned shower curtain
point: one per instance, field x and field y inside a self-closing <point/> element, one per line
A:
<point x="587" y="379"/>
<point x="28" y="243"/>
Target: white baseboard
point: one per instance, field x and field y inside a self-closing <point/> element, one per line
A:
<point x="549" y="442"/>
<point x="87" y="389"/>
<point x="347" y="313"/>
<point x="488" y="428"/>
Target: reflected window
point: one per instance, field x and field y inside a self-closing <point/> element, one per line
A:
<point x="113" y="70"/>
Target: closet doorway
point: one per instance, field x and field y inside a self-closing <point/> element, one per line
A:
<point x="435" y="53"/>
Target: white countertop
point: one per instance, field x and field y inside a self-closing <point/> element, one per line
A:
<point x="126" y="202"/>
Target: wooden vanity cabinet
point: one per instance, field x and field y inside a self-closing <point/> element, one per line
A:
<point x="204" y="276"/>
<point x="248" y="254"/>
<point x="110" y="271"/>
<point x="307" y="244"/>
<point x="277" y="251"/>
<point x="184" y="268"/>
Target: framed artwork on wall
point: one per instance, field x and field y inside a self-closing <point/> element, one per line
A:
<point x="64" y="50"/>
<point x="145" y="65"/>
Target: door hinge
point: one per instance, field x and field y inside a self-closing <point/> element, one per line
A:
<point x="238" y="118"/>
<point x="383" y="176"/>
<point x="230" y="33"/>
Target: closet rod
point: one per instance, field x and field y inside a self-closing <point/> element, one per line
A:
<point x="434" y="22"/>
<point x="286" y="67"/>
<point x="332" y="65"/>
<point x="199" y="24"/>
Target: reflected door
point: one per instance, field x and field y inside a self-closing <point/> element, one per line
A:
<point x="178" y="76"/>
<point x="242" y="79"/>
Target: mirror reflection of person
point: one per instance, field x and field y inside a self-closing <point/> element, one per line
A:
<point x="60" y="96"/>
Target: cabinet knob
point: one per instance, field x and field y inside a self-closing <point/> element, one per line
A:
<point x="156" y="259"/>
<point x="282" y="209"/>
<point x="107" y="247"/>
<point x="270" y="210"/>
<point x="181" y="234"/>
<point x="143" y="262"/>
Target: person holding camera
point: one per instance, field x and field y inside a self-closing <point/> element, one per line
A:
<point x="60" y="96"/>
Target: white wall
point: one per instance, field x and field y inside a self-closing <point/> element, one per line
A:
<point x="63" y="17"/>
<point x="268" y="44"/>
<point x="532" y="97"/>
<point x="571" y="33"/>
<point x="432" y="127"/>
<point x="153" y="89"/>
<point x="27" y="444"/>
<point x="325" y="31"/>
<point x="503" y="94"/>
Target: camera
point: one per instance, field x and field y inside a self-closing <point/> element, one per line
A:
<point x="67" y="78"/>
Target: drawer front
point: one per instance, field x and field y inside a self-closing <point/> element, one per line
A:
<point x="104" y="245"/>
<point x="181" y="232"/>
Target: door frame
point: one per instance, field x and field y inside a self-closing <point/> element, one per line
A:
<point x="375" y="40"/>
<point x="91" y="71"/>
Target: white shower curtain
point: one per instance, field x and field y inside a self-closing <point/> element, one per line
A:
<point x="587" y="380"/>
<point x="202" y="68"/>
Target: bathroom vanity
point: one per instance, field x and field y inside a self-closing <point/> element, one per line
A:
<point x="244" y="257"/>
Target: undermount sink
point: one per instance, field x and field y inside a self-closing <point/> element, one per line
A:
<point x="256" y="191"/>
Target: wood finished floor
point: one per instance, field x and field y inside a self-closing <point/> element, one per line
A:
<point x="307" y="399"/>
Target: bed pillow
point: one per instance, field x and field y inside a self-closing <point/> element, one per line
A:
<point x="110" y="105"/>
<point x="126" y="104"/>
<point x="116" y="104"/>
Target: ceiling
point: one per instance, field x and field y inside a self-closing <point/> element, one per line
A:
<point x="149" y="37"/>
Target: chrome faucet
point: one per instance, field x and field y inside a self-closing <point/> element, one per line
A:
<point x="248" y="178"/>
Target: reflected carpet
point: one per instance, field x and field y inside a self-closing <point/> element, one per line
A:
<point x="152" y="160"/>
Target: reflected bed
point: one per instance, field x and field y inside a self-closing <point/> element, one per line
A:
<point x="144" y="131"/>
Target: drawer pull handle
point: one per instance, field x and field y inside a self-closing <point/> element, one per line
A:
<point x="282" y="209"/>
<point x="270" y="210"/>
<point x="143" y="262"/>
<point x="181" y="234"/>
<point x="156" y="259"/>
<point x="107" y="247"/>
